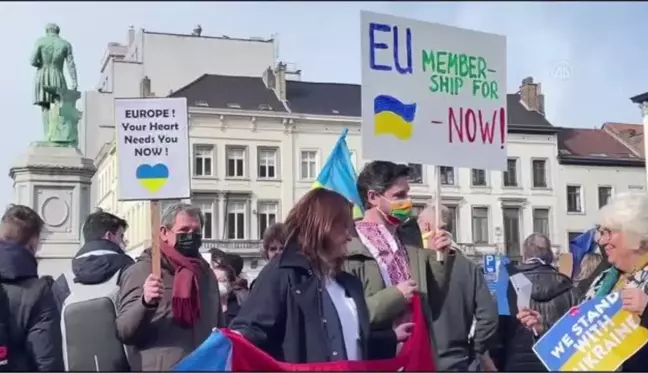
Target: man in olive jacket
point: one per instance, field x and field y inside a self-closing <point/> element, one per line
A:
<point x="390" y="271"/>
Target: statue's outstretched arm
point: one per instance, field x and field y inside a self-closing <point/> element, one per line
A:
<point x="36" y="57"/>
<point x="71" y="68"/>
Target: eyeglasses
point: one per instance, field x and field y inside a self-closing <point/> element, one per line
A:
<point x="602" y="231"/>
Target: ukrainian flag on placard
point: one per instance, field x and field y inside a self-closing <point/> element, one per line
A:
<point x="393" y="117"/>
<point x="339" y="175"/>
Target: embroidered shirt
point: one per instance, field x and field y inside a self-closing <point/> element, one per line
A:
<point x="388" y="251"/>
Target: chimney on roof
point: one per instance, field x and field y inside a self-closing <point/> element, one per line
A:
<point x="145" y="87"/>
<point x="269" y="78"/>
<point x="531" y="95"/>
<point x="275" y="79"/>
<point x="280" y="80"/>
<point x="131" y="35"/>
<point x="197" y="31"/>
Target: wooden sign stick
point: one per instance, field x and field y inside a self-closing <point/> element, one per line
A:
<point x="437" y="207"/>
<point x="155" y="237"/>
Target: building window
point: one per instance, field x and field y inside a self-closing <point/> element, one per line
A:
<point x="512" y="234"/>
<point x="267" y="214"/>
<point x="235" y="161"/>
<point x="209" y="215"/>
<point x="541" y="221"/>
<point x="308" y="164"/>
<point x="203" y="160"/>
<point x="604" y="195"/>
<point x="267" y="163"/>
<point x="539" y="173"/>
<point x="447" y="175"/>
<point x="417" y="208"/>
<point x="574" y="199"/>
<point x="480" y="225"/>
<point x="572" y="235"/>
<point x="416" y="173"/>
<point x="236" y="220"/>
<point x="478" y="177"/>
<point x="451" y="224"/>
<point x="510" y="175"/>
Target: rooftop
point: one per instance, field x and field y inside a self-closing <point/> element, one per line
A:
<point x="594" y="147"/>
<point x="257" y="39"/>
<point x="230" y="92"/>
<point x="336" y="99"/>
<point x="640" y="98"/>
<point x="630" y="134"/>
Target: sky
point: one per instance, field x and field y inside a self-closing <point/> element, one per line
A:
<point x="589" y="57"/>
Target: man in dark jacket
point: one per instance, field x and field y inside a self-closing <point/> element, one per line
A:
<point x="552" y="296"/>
<point x="35" y="332"/>
<point x="100" y="258"/>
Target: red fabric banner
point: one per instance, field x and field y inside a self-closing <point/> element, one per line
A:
<point x="415" y="356"/>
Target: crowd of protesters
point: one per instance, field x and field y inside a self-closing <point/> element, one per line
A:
<point x="333" y="288"/>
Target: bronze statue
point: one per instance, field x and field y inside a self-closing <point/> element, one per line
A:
<point x="51" y="93"/>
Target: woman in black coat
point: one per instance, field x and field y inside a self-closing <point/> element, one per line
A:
<point x="303" y="308"/>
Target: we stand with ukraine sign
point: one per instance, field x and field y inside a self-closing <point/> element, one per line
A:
<point x="598" y="335"/>
<point x="225" y="350"/>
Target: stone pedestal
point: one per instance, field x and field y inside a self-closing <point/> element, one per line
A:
<point x="55" y="182"/>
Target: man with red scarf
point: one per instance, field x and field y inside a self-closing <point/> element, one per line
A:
<point x="164" y="319"/>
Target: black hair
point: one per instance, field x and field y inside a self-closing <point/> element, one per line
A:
<point x="98" y="223"/>
<point x="217" y="256"/>
<point x="379" y="176"/>
<point x="236" y="262"/>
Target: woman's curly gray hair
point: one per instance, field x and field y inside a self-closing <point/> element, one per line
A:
<point x="627" y="213"/>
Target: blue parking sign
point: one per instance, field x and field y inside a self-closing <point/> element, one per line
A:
<point x="490" y="265"/>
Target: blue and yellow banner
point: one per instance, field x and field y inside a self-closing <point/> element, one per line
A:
<point x="500" y="287"/>
<point x="338" y="174"/>
<point x="598" y="335"/>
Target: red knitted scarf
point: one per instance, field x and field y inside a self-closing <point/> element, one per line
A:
<point x="185" y="298"/>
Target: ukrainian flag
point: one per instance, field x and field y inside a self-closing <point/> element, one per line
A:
<point x="392" y="117"/>
<point x="339" y="175"/>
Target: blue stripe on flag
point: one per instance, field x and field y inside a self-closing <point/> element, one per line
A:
<point x="213" y="355"/>
<point x="338" y="173"/>
<point x="501" y="287"/>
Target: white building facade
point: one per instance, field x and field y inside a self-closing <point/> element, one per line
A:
<point x="258" y="141"/>
<point x="594" y="166"/>
<point x="257" y="151"/>
<point x="159" y="63"/>
<point x="155" y="64"/>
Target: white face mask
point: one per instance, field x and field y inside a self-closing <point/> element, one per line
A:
<point x="224" y="288"/>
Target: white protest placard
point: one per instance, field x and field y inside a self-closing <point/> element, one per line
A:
<point x="523" y="288"/>
<point x="432" y="94"/>
<point x="152" y="148"/>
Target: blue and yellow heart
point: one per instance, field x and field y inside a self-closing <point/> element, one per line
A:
<point x="152" y="177"/>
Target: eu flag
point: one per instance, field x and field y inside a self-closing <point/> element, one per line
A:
<point x="579" y="246"/>
<point x="339" y="175"/>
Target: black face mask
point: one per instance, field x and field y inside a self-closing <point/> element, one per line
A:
<point x="188" y="243"/>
